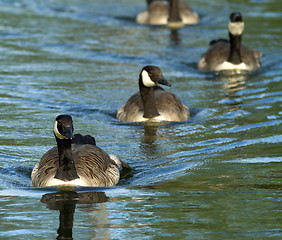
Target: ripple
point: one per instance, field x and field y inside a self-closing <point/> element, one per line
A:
<point x="254" y="125"/>
<point x="259" y="160"/>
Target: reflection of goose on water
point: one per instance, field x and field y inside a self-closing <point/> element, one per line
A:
<point x="66" y="202"/>
<point x="76" y="161"/>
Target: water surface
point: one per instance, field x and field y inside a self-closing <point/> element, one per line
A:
<point x="216" y="176"/>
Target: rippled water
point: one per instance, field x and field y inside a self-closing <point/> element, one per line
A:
<point x="217" y="176"/>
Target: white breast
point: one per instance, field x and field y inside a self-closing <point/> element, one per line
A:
<point x="230" y="66"/>
<point x="159" y="118"/>
<point x="59" y="183"/>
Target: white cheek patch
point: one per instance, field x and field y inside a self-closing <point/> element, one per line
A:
<point x="147" y="80"/>
<point x="57" y="133"/>
<point x="236" y="28"/>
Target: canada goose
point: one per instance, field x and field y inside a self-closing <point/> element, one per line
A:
<point x="153" y="103"/>
<point x="75" y="161"/>
<point x="230" y="55"/>
<point x="173" y="13"/>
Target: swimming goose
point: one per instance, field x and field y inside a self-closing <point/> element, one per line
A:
<point x="173" y="13"/>
<point x="153" y="103"/>
<point x="230" y="55"/>
<point x="75" y="161"/>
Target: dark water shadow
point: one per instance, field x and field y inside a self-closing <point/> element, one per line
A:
<point x="13" y="175"/>
<point x="127" y="19"/>
<point x="66" y="203"/>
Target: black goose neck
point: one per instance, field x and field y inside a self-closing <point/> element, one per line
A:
<point x="235" y="47"/>
<point x="148" y="99"/>
<point x="66" y="170"/>
<point x="174" y="13"/>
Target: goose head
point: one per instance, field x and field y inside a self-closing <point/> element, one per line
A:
<point x="236" y="24"/>
<point x="63" y="127"/>
<point x="151" y="76"/>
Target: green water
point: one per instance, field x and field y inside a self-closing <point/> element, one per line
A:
<point x="217" y="176"/>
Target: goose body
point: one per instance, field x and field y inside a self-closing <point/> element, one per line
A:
<point x="230" y="54"/>
<point x="153" y="103"/>
<point x="174" y="13"/>
<point x="76" y="162"/>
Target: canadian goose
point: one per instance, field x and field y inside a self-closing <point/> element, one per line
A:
<point x="153" y="103"/>
<point x="75" y="161"/>
<point x="231" y="55"/>
<point x="173" y="13"/>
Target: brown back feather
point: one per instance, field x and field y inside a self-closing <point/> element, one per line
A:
<point x="91" y="163"/>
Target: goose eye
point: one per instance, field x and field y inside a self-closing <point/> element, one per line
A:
<point x="60" y="128"/>
<point x="151" y="74"/>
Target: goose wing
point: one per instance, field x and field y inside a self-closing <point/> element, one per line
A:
<point x="217" y="53"/>
<point x="95" y="166"/>
<point x="170" y="106"/>
<point x="133" y="109"/>
<point x="46" y="168"/>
